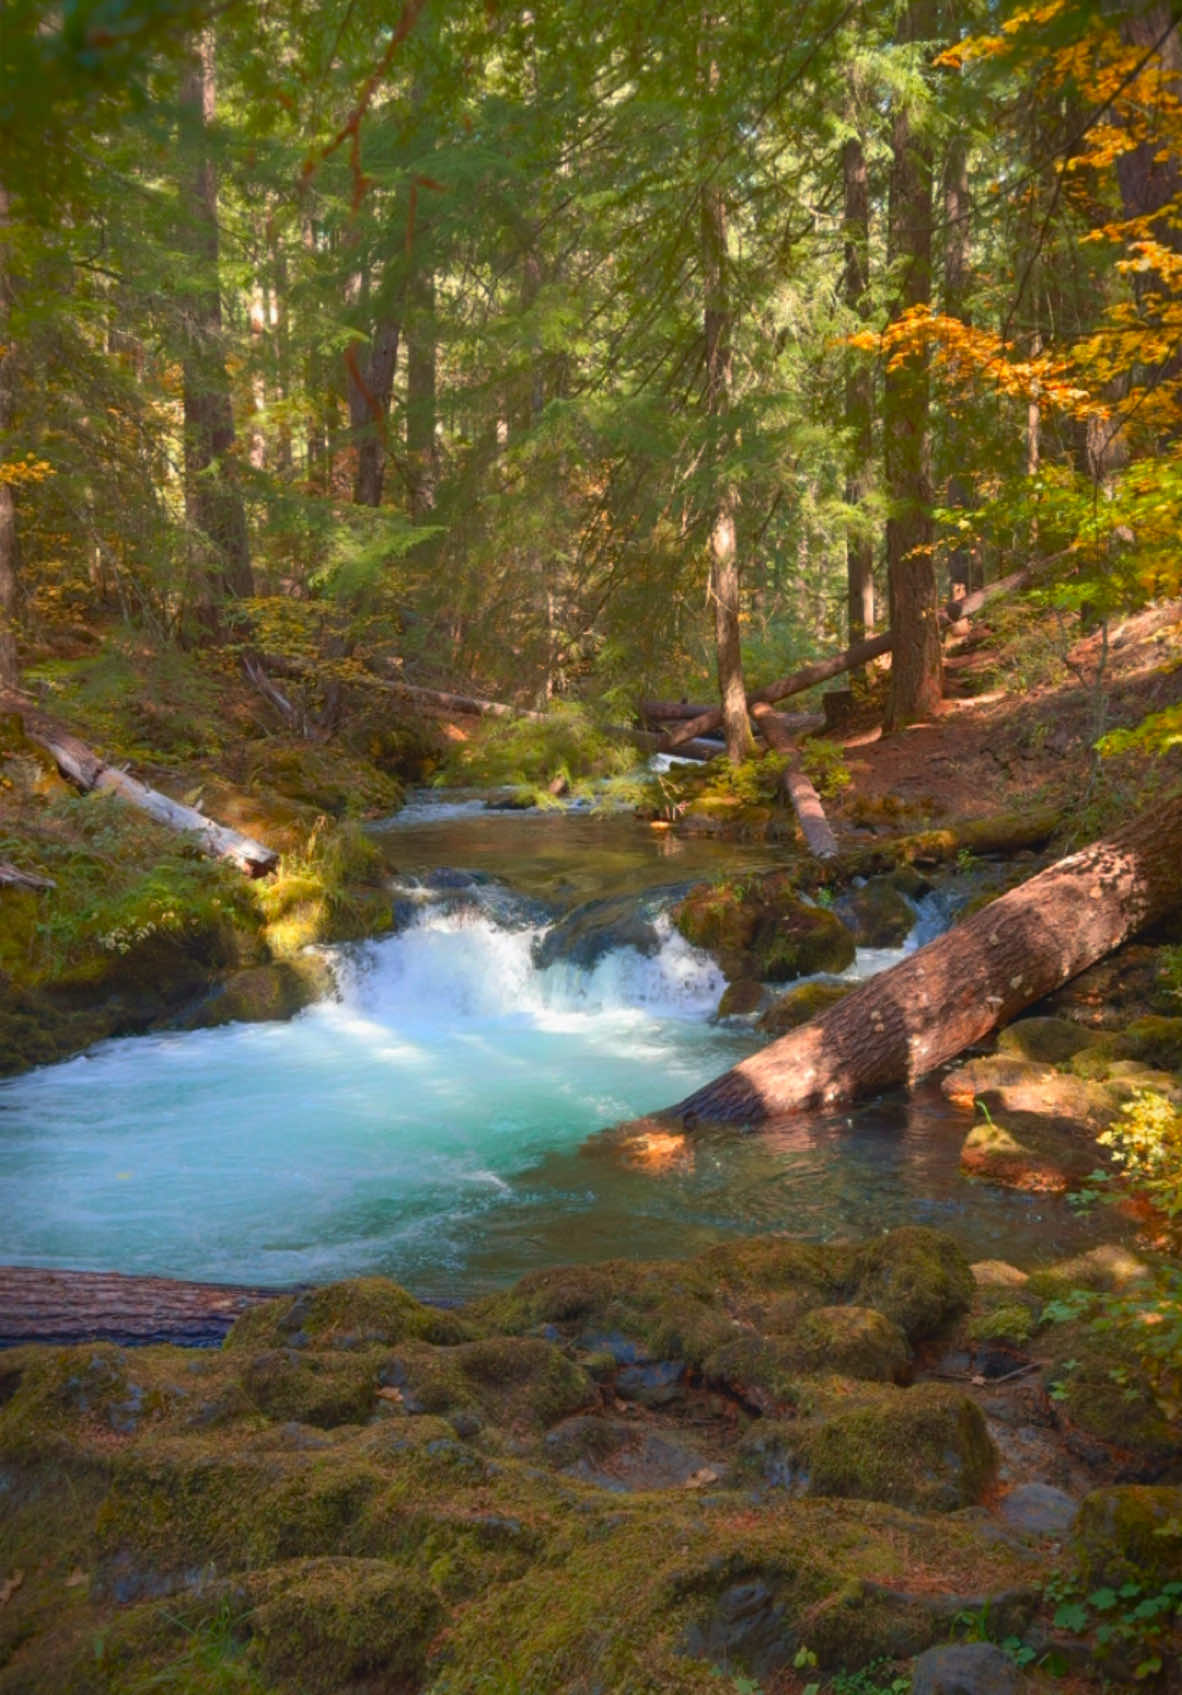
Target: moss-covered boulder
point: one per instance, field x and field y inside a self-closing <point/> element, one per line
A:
<point x="1047" y="1041"/>
<point x="762" y="928"/>
<point x="806" y="1001"/>
<point x="926" y="1448"/>
<point x="877" y="914"/>
<point x="852" y="1341"/>
<point x="1044" y="1159"/>
<point x="918" y="1278"/>
<point x="363" y="1313"/>
<point x="741" y="998"/>
<point x="516" y="1382"/>
<point x="1130" y="1533"/>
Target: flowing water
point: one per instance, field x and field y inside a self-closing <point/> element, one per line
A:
<point x="437" y="1121"/>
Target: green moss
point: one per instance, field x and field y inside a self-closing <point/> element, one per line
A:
<point x="801" y="1004"/>
<point x="517" y="1382"/>
<point x="925" y="1448"/>
<point x="318" y="1624"/>
<point x="363" y="1313"/>
<point x="1048" y="1041"/>
<point x="762" y="929"/>
<point x="918" y="1278"/>
<point x="1129" y="1533"/>
<point x="263" y="992"/>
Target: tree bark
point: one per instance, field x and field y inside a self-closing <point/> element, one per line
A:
<point x="106" y="1306"/>
<point x="859" y="389"/>
<point x="915" y="683"/>
<point x="369" y="384"/>
<point x="83" y="766"/>
<point x="717" y="321"/>
<point x="821" y="670"/>
<point x="9" y="539"/>
<point x="213" y="501"/>
<point x="421" y="450"/>
<point x="959" y="988"/>
<point x="806" y="802"/>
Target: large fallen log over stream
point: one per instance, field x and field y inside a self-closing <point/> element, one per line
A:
<point x="83" y="766"/>
<point x="956" y="990"/>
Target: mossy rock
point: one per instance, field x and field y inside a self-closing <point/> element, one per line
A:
<point x="763" y="929"/>
<point x="1107" y="1269"/>
<point x="918" y="1278"/>
<point x="806" y="1001"/>
<point x="876" y="914"/>
<point x="852" y="1341"/>
<point x="365" y="1312"/>
<point x="1130" y="1533"/>
<point x="925" y="1448"/>
<point x="324" y="1624"/>
<point x="1047" y="1041"/>
<point x="1106" y="1402"/>
<point x="264" y="992"/>
<point x="517" y="1382"/>
<point x="1006" y="1315"/>
<point x="320" y="1389"/>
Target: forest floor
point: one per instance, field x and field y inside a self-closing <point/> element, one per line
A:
<point x="1026" y="706"/>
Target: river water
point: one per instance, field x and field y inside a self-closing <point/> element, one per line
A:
<point x="440" y="1120"/>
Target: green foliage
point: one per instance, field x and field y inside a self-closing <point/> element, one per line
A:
<point x="1146" y="1144"/>
<point x="824" y="762"/>
<point x="1133" y="1623"/>
<point x="567" y="744"/>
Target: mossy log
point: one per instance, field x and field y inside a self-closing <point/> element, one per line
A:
<point x="860" y="654"/>
<point x="959" y="988"/>
<point x="806" y="802"/>
<point x="83" y="766"/>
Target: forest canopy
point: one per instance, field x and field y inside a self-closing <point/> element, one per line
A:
<point x="580" y="351"/>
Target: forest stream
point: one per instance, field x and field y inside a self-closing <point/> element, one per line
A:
<point x="438" y="1120"/>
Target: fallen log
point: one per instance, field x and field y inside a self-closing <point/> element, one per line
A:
<point x="13" y="875"/>
<point x="105" y="1306"/>
<point x="861" y="653"/>
<point x="806" y="802"/>
<point x="83" y="766"/>
<point x="956" y="990"/>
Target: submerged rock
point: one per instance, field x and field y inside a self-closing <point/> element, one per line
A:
<point x="801" y="1004"/>
<point x="599" y="927"/>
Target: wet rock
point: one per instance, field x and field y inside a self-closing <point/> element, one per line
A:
<point x="1019" y="1091"/>
<point x="599" y="927"/>
<point x="654" y="1383"/>
<point x="966" y="1668"/>
<point x="917" y="1277"/>
<point x="877" y="914"/>
<point x="1039" y="1509"/>
<point x="1043" y="1159"/>
<point x="801" y="1004"/>
<point x="365" y="1312"/>
<point x="748" y="1626"/>
<point x="263" y="992"/>
<point x="741" y="998"/>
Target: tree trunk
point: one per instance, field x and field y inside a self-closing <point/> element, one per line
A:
<point x="9" y="541"/>
<point x="369" y="382"/>
<point x="213" y="501"/>
<point x="956" y="447"/>
<point x="64" y="1307"/>
<point x="859" y="392"/>
<point x="421" y="451"/>
<point x="724" y="567"/>
<point x="959" y="988"/>
<point x="806" y="802"/>
<point x="911" y="576"/>
<point x="821" y="670"/>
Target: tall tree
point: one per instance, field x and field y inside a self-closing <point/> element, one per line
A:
<point x="915" y="685"/>
<point x="213" y="499"/>
<point x="9" y="542"/>
<point x="859" y="380"/>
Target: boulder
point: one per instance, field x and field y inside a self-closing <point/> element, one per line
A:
<point x="762" y="928"/>
<point x="877" y="914"/>
<point x="806" y="1001"/>
<point x="966" y="1668"/>
<point x="596" y="928"/>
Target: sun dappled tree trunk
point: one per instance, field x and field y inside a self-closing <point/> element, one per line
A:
<point x="213" y="500"/>
<point x="369" y="384"/>
<point x="421" y="450"/>
<point x="9" y="541"/>
<point x="915" y="685"/>
<point x="859" y="390"/>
